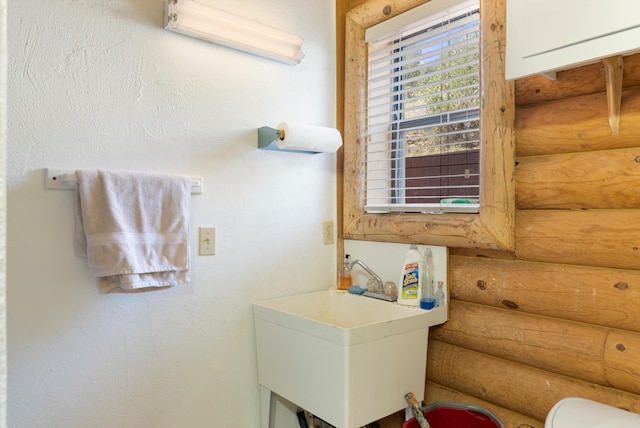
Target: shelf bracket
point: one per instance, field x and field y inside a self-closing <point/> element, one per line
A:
<point x="613" y="67"/>
<point x="551" y="75"/>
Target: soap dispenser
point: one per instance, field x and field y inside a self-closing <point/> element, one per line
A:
<point x="344" y="277"/>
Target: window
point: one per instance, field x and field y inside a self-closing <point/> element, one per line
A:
<point x="492" y="227"/>
<point x="423" y="121"/>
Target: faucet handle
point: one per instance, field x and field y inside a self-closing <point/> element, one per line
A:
<point x="374" y="285"/>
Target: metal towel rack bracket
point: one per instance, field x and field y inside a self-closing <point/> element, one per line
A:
<point x="58" y="179"/>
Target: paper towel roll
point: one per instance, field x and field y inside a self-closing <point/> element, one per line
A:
<point x="309" y="138"/>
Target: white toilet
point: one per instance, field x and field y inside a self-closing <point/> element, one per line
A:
<point x="581" y="413"/>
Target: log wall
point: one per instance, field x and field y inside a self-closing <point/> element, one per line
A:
<point x="560" y="315"/>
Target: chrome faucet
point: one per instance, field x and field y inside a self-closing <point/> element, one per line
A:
<point x="370" y="272"/>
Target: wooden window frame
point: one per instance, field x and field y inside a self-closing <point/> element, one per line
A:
<point x="493" y="226"/>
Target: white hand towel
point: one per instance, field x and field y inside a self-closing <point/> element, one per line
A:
<point x="133" y="228"/>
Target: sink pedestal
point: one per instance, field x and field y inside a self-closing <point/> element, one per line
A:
<point x="347" y="359"/>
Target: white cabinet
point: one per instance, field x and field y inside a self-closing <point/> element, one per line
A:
<point x="548" y="35"/>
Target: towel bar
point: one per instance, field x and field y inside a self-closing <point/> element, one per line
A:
<point x="57" y="179"/>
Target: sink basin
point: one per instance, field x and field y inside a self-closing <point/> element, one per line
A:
<point x="347" y="359"/>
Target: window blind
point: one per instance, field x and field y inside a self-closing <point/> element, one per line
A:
<point x="423" y="101"/>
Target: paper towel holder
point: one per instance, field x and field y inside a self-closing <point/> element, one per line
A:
<point x="268" y="137"/>
<point x="268" y="140"/>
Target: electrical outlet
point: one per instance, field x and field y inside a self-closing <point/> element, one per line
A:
<point x="327" y="232"/>
<point x="207" y="241"/>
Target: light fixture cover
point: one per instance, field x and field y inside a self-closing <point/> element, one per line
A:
<point x="199" y="20"/>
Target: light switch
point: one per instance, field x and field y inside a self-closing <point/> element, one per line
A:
<point x="207" y="240"/>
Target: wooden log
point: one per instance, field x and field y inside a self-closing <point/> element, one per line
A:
<point x="342" y="7"/>
<point x="354" y="3"/>
<point x="576" y="124"/>
<point x="480" y="252"/>
<point x="372" y="12"/>
<point x="603" y="179"/>
<point x="622" y="360"/>
<point x="564" y="347"/>
<point x="354" y="100"/>
<point x="599" y="296"/>
<point x="514" y="386"/>
<point x="574" y="82"/>
<point x="606" y="238"/>
<point x="435" y="392"/>
<point x="497" y="131"/>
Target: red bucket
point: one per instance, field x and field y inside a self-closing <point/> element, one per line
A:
<point x="457" y="415"/>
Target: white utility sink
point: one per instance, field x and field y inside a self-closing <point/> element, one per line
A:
<point x="347" y="359"/>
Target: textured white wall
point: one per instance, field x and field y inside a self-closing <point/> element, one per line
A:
<point x="100" y="84"/>
<point x="3" y="212"/>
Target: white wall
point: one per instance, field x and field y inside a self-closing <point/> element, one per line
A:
<point x="99" y="84"/>
<point x="3" y="213"/>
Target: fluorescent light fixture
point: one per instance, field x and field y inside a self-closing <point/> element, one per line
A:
<point x="199" y="20"/>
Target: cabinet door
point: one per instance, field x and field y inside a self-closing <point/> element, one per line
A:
<point x="547" y="35"/>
